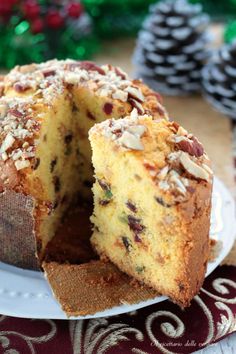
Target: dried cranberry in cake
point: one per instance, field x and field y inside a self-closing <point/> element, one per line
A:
<point x="90" y="115"/>
<point x="107" y="108"/>
<point x="53" y="164"/>
<point x="136" y="227"/>
<point x="57" y="184"/>
<point x="104" y="185"/>
<point x="68" y="138"/>
<point x="127" y="243"/>
<point x="36" y="163"/>
<point x="104" y="202"/>
<point x="131" y="206"/>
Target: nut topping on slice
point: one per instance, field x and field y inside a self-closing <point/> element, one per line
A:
<point x="7" y="143"/>
<point x="130" y="141"/>
<point x="191" y="146"/>
<point x="137" y="130"/>
<point x="135" y="93"/>
<point x="192" y="168"/>
<point x="20" y="164"/>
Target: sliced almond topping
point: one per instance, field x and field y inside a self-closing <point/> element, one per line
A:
<point x="162" y="174"/>
<point x="120" y="95"/>
<point x="182" y="131"/>
<point x="4" y="156"/>
<point x="164" y="185"/>
<point x="136" y="104"/>
<point x="20" y="164"/>
<point x="175" y="178"/>
<point x="7" y="143"/>
<point x="135" y="93"/>
<point x="71" y="78"/>
<point x="130" y="141"/>
<point x="137" y="130"/>
<point x="207" y="168"/>
<point x="192" y="168"/>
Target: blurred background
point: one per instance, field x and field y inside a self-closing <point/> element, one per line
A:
<point x="37" y="30"/>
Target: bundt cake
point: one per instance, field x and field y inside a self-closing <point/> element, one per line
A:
<point x="152" y="202"/>
<point x="46" y="111"/>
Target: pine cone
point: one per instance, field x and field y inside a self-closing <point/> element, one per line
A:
<point x="172" y="47"/>
<point x="219" y="80"/>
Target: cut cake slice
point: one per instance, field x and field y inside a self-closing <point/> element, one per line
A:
<point x="152" y="202"/>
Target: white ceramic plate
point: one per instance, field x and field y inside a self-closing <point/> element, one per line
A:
<point x="25" y="293"/>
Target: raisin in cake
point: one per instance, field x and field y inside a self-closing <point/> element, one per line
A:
<point x="152" y="201"/>
<point x="46" y="110"/>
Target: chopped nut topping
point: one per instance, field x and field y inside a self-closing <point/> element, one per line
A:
<point x="20" y="164"/>
<point x="125" y="132"/>
<point x="193" y="168"/>
<point x="191" y="146"/>
<point x="137" y="105"/>
<point x="135" y="93"/>
<point x="162" y="174"/>
<point x="130" y="141"/>
<point x="7" y="143"/>
<point x="120" y="95"/>
<point x="72" y="78"/>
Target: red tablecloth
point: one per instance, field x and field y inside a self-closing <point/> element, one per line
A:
<point x="160" y="328"/>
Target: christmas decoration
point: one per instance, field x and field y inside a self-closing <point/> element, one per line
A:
<point x="172" y="47"/>
<point x="230" y="32"/>
<point x="37" y="30"/>
<point x="219" y="80"/>
<point x="115" y="18"/>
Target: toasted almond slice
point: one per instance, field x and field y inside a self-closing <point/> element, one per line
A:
<point x="162" y="174"/>
<point x="7" y="143"/>
<point x="130" y="141"/>
<point x="137" y="130"/>
<point x="20" y="164"/>
<point x="135" y="93"/>
<point x="192" y="168"/>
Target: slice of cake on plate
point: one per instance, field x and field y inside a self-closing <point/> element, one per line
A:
<point x="152" y="203"/>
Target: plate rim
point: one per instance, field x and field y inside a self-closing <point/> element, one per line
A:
<point x="45" y="299"/>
